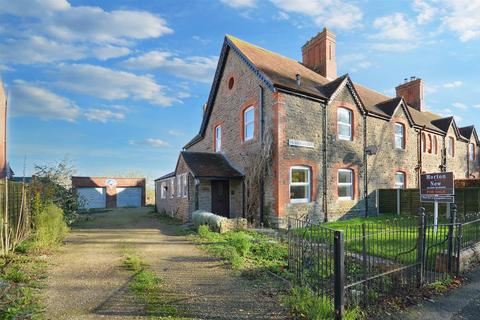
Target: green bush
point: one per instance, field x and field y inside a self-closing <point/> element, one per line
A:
<point x="241" y="242"/>
<point x="204" y="231"/>
<point x="50" y="227"/>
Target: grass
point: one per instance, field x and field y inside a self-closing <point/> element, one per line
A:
<point x="244" y="250"/>
<point x="149" y="290"/>
<point x="304" y="304"/>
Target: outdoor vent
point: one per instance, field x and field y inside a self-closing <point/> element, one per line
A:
<point x="298" y="78"/>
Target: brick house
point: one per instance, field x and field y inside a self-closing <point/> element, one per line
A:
<point x="334" y="142"/>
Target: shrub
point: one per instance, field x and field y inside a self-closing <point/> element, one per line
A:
<point x="50" y="227"/>
<point x="200" y="218"/>
<point x="234" y="258"/>
<point x="204" y="231"/>
<point x="241" y="242"/>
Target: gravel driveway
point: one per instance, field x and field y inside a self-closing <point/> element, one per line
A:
<point x="87" y="282"/>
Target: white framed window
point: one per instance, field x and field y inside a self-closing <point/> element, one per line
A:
<point x="248" y="123"/>
<point x="400" y="180"/>
<point x="345" y="184"/>
<point x="218" y="138"/>
<point x="471" y="152"/>
<point x="451" y="147"/>
<point x="163" y="190"/>
<point x="179" y="185"/>
<point x="172" y="187"/>
<point x="300" y="184"/>
<point x="344" y="124"/>
<point x="399" y="136"/>
<point x="185" y="185"/>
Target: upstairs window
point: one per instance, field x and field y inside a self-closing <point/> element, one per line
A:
<point x="399" y="180"/>
<point x="424" y="143"/>
<point x="345" y="184"/>
<point x="399" y="136"/>
<point x="299" y="185"/>
<point x="163" y="190"/>
<point x="248" y="123"/>
<point x="172" y="188"/>
<point x="218" y="138"/>
<point x="435" y="145"/>
<point x="185" y="185"/>
<point x="430" y="144"/>
<point x="451" y="147"/>
<point x="471" y="152"/>
<point x="344" y="124"/>
<point x="179" y="185"/>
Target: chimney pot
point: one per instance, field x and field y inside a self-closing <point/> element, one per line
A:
<point x="318" y="54"/>
<point x="298" y="78"/>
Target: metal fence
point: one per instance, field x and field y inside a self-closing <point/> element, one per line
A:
<point x="363" y="264"/>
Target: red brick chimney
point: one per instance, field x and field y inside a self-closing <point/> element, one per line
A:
<point x="318" y="54"/>
<point x="3" y="131"/>
<point x="412" y="92"/>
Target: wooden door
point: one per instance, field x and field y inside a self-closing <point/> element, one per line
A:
<point x="221" y="198"/>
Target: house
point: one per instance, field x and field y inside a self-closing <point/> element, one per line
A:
<point x="284" y="138"/>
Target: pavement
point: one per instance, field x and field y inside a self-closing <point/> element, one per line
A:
<point x="86" y="280"/>
<point x="460" y="304"/>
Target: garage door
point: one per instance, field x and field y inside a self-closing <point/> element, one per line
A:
<point x="129" y="197"/>
<point x="92" y="198"/>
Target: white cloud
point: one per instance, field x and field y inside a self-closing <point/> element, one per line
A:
<point x="150" y="142"/>
<point x="454" y="84"/>
<point x="394" y="27"/>
<point x="194" y="68"/>
<point x="109" y="52"/>
<point x="36" y="49"/>
<point x="282" y="16"/>
<point x="240" y="3"/>
<point x="394" y="46"/>
<point x="175" y="133"/>
<point x="426" y="11"/>
<point x="32" y="100"/>
<point x="463" y="17"/>
<point x="477" y="106"/>
<point x="111" y="84"/>
<point x="336" y="14"/>
<point x="460" y="105"/>
<point x="87" y="23"/>
<point x="354" y="62"/>
<point x="103" y="115"/>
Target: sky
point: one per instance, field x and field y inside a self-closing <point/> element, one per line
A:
<point x="118" y="86"/>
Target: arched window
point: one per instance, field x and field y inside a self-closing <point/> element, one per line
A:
<point x="451" y="147"/>
<point x="300" y="184"/>
<point x="424" y="143"/>
<point x="430" y="144"/>
<point x="435" y="145"/>
<point x="471" y="152"/>
<point x="218" y="138"/>
<point x="248" y="123"/>
<point x="344" y="124"/>
<point x="399" y="136"/>
<point x="345" y="184"/>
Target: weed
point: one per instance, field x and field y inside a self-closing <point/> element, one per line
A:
<point x="241" y="242"/>
<point x="16" y="275"/>
<point x="204" y="231"/>
<point x="133" y="263"/>
<point x="50" y="227"/>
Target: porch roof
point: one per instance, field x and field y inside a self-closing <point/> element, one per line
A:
<point x="210" y="165"/>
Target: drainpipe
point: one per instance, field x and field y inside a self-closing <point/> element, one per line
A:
<point x="243" y="198"/>
<point x="262" y="133"/>
<point x="324" y="160"/>
<point x="365" y="159"/>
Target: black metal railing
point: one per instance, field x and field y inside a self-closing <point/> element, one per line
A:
<point x="363" y="264"/>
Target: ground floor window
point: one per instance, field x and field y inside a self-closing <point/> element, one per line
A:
<point x="399" y="180"/>
<point x="172" y="188"/>
<point x="345" y="184"/>
<point x="163" y="190"/>
<point x="300" y="184"/>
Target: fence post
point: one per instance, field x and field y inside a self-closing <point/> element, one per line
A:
<point x="451" y="225"/>
<point x="364" y="263"/>
<point x="459" y="248"/>
<point x="339" y="271"/>
<point x="421" y="246"/>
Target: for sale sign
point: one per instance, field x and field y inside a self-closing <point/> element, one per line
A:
<point x="432" y="184"/>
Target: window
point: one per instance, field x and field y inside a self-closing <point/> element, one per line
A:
<point x="248" y="123"/>
<point x="172" y="188"/>
<point x="430" y="144"/>
<point x="435" y="145"/>
<point x="299" y="185"/>
<point x="344" y="124"/>
<point x="399" y="136"/>
<point x="163" y="190"/>
<point x="424" y="143"/>
<point x="218" y="138"/>
<point x="179" y="185"/>
<point x="345" y="184"/>
<point x="451" y="147"/>
<point x="185" y="185"/>
<point x="471" y="151"/>
<point x="399" y="180"/>
<point x="231" y="82"/>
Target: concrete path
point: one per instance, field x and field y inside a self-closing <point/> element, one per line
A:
<point x="87" y="282"/>
<point x="462" y="303"/>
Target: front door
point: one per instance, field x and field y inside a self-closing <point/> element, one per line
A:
<point x="221" y="198"/>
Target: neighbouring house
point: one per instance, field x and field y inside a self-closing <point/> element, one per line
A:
<point x="284" y="138"/>
<point x="109" y="192"/>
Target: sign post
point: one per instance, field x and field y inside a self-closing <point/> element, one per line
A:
<point x="437" y="188"/>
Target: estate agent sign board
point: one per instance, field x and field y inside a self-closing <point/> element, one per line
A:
<point x="437" y="184"/>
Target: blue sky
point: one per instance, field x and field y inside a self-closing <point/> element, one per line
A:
<point x="118" y="86"/>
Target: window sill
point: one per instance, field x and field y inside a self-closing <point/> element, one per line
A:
<point x="300" y="203"/>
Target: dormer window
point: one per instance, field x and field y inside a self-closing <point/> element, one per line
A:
<point x="218" y="138"/>
<point x="399" y="136"/>
<point x="451" y="147"/>
<point x="344" y="124"/>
